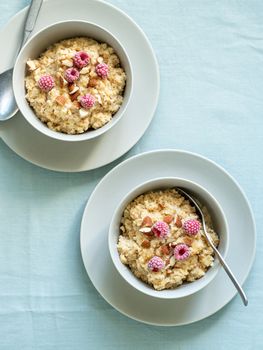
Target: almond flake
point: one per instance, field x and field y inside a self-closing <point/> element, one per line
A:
<point x="165" y="250"/>
<point x="74" y="96"/>
<point x="147" y="221"/>
<point x="146" y="244"/>
<point x="62" y="82"/>
<point x="61" y="100"/>
<point x="172" y="261"/>
<point x="92" y="83"/>
<point x="31" y="65"/>
<point x="145" y="229"/>
<point x="73" y="90"/>
<point x="76" y="104"/>
<point x="178" y="222"/>
<point x="168" y="219"/>
<point x="188" y="240"/>
<point x="98" y="99"/>
<point x="83" y="113"/>
<point x="67" y="63"/>
<point x="84" y="70"/>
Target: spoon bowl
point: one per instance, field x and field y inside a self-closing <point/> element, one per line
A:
<point x="8" y="107"/>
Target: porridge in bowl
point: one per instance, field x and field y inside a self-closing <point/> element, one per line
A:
<point x="76" y="85"/>
<point x="161" y="240"/>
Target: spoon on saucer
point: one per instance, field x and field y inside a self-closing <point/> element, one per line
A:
<point x="8" y="107"/>
<point x="219" y="256"/>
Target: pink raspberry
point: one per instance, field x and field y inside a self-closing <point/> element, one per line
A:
<point x="156" y="264"/>
<point x="181" y="251"/>
<point x="87" y="101"/>
<point x="191" y="227"/>
<point x="161" y="229"/>
<point x="102" y="70"/>
<point x="46" y="83"/>
<point x="71" y="75"/>
<point x="81" y="59"/>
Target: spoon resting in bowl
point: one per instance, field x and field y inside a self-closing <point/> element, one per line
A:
<point x="8" y="107"/>
<point x="217" y="253"/>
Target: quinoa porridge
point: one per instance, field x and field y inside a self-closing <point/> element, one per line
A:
<point x="161" y="240"/>
<point x="75" y="85"/>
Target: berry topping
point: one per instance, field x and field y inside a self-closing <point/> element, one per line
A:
<point x="161" y="229"/>
<point x="71" y="75"/>
<point x="191" y="227"/>
<point x="156" y="264"/>
<point x="181" y="251"/>
<point x="87" y="101"/>
<point x="81" y="59"/>
<point x="46" y="83"/>
<point x="102" y="70"/>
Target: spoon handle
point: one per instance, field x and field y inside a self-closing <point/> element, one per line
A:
<point x="31" y="18"/>
<point x="230" y="274"/>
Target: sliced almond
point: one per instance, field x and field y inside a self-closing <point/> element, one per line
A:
<point x="167" y="262"/>
<point x="83" y="113"/>
<point x="84" y="70"/>
<point x="188" y="240"/>
<point x="61" y="100"/>
<point x="98" y="99"/>
<point x="76" y="104"/>
<point x="168" y="219"/>
<point x="73" y="89"/>
<point x="172" y="261"/>
<point x="71" y="86"/>
<point x="62" y="82"/>
<point x="74" y="96"/>
<point x="165" y="250"/>
<point x="92" y="82"/>
<point x="146" y="244"/>
<point x="147" y="221"/>
<point x="169" y="271"/>
<point x="31" y="66"/>
<point x="67" y="63"/>
<point x="178" y="222"/>
<point x="145" y="230"/>
<point x="100" y="59"/>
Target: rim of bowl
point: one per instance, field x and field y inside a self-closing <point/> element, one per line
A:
<point x="88" y="135"/>
<point x="115" y="255"/>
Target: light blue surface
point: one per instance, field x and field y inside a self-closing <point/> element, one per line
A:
<point x="211" y="62"/>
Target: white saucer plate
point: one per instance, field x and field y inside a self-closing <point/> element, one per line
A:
<point x="98" y="213"/>
<point x="80" y="156"/>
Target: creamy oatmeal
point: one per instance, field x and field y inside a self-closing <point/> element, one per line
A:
<point x="75" y="85"/>
<point x="161" y="240"/>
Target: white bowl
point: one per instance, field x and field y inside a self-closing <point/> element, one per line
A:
<point x="219" y="224"/>
<point x="38" y="44"/>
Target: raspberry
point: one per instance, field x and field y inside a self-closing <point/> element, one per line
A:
<point x="102" y="70"/>
<point x="87" y="101"/>
<point x="181" y="251"/>
<point x="191" y="227"/>
<point x="46" y="83"/>
<point x="161" y="229"/>
<point x="156" y="264"/>
<point x="71" y="75"/>
<point x="81" y="59"/>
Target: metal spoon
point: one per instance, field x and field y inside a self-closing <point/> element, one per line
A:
<point x="209" y="240"/>
<point x="8" y="107"/>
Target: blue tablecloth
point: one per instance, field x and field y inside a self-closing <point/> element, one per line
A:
<point x="211" y="62"/>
